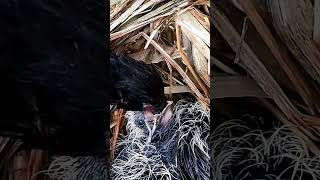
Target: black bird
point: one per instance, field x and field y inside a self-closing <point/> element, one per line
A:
<point x="56" y="79"/>
<point x="135" y="83"/>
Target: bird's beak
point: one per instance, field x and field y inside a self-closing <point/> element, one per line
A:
<point x="163" y="118"/>
<point x="166" y="114"/>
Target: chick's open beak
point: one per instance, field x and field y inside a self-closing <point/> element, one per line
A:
<point x="152" y="117"/>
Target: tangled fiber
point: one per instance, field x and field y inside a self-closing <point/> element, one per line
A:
<point x="176" y="151"/>
<point x="242" y="149"/>
<point x="78" y="168"/>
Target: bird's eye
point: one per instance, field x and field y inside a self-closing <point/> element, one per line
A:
<point x="140" y="122"/>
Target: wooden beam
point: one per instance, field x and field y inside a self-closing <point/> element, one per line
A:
<point x="177" y="89"/>
<point x="235" y="86"/>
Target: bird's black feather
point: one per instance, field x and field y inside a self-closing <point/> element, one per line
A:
<point x="56" y="80"/>
<point x="136" y="82"/>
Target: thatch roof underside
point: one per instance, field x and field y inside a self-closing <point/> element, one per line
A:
<point x="270" y="50"/>
<point x="175" y="35"/>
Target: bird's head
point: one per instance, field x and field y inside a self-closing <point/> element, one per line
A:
<point x="134" y="83"/>
<point x="145" y="122"/>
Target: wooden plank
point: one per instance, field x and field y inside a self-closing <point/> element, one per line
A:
<point x="177" y="89"/>
<point x="235" y="86"/>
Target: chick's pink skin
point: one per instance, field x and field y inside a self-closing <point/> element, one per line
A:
<point x="164" y="117"/>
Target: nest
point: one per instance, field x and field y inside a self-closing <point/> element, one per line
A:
<point x="139" y="159"/>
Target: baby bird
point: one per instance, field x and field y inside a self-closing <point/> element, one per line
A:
<point x="167" y="144"/>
